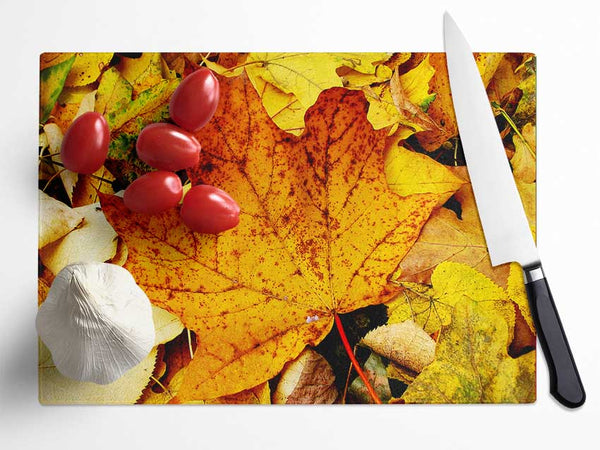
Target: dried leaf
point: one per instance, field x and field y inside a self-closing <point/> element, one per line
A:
<point x="528" y="194"/>
<point x="166" y="325"/>
<point x="441" y="109"/>
<point x="54" y="136"/>
<point x="404" y="343"/>
<point x="488" y="64"/>
<point x="56" y="389"/>
<point x="431" y="307"/>
<point x="56" y="220"/>
<point x="445" y="237"/>
<point x="507" y="76"/>
<point x="308" y="379"/>
<point x="173" y="358"/>
<point x="319" y="232"/>
<point x="289" y="83"/>
<point x="415" y="84"/>
<point x="93" y="241"/>
<point x="44" y="283"/>
<point x="472" y="364"/>
<point x="259" y="395"/>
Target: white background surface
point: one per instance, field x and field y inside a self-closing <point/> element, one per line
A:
<point x="566" y="38"/>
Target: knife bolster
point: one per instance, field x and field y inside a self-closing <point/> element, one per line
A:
<point x="533" y="273"/>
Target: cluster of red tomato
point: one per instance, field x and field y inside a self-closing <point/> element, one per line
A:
<point x="165" y="147"/>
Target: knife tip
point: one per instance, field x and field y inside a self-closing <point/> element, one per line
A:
<point x="448" y="20"/>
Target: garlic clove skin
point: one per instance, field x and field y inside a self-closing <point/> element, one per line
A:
<point x="96" y="322"/>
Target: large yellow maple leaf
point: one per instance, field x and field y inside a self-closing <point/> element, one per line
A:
<point x="320" y="232"/>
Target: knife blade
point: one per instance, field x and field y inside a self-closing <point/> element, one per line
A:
<point x="507" y="233"/>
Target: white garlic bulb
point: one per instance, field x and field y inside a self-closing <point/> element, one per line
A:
<point x="96" y="322"/>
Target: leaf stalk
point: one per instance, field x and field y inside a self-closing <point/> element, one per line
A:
<point x="350" y="352"/>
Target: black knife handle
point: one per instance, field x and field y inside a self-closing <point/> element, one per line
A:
<point x="565" y="383"/>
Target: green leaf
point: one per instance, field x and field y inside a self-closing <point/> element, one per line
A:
<point x="114" y="92"/>
<point x="52" y="82"/>
<point x="149" y="100"/>
<point x="472" y="364"/>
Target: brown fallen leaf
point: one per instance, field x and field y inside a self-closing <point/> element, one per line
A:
<point x="404" y="343"/>
<point x="45" y="279"/>
<point x="509" y="74"/>
<point x="308" y="379"/>
<point x="319" y="233"/>
<point x="445" y="237"/>
<point x="173" y="357"/>
<point x="411" y="112"/>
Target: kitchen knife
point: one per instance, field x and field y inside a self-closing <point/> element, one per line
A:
<point x="505" y="225"/>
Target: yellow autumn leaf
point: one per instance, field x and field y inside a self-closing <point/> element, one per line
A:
<point x="258" y="395"/>
<point x="143" y="72"/>
<point x="167" y="377"/>
<point x="401" y="102"/>
<point x="527" y="105"/>
<point x="408" y="173"/>
<point x="523" y="161"/>
<point x="297" y="79"/>
<point x="114" y="92"/>
<point x="472" y="364"/>
<point x="528" y="194"/>
<point x="50" y="59"/>
<point x="431" y="307"/>
<point x="74" y="95"/>
<point x="441" y="109"/>
<point x="52" y="82"/>
<point x="488" y="63"/>
<point x="383" y="112"/>
<point x="518" y="294"/>
<point x="87" y="68"/>
<point x="308" y="244"/>
<point x="449" y="237"/>
<point x="353" y="79"/>
<point x="415" y="84"/>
